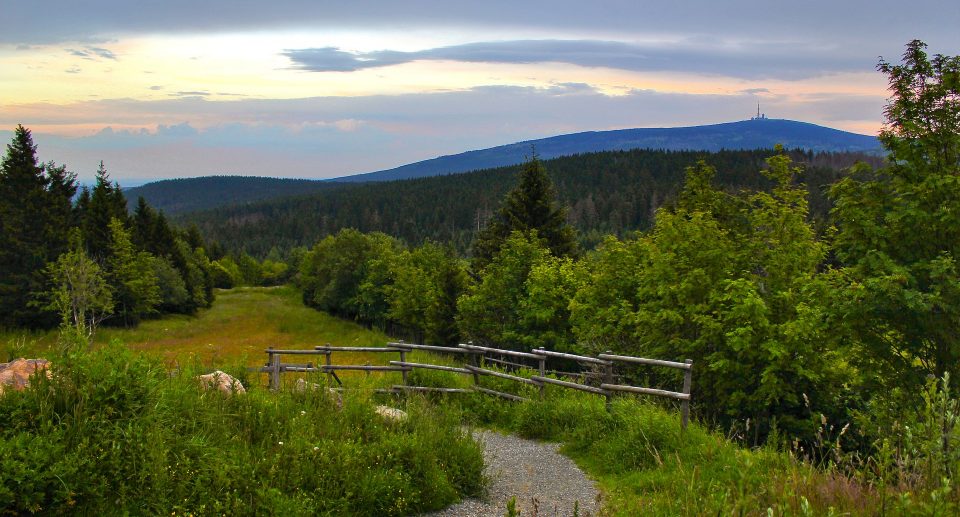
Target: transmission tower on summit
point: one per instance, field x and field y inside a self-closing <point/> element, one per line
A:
<point x="760" y="116"/>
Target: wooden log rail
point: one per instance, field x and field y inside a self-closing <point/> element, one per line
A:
<point x="477" y="355"/>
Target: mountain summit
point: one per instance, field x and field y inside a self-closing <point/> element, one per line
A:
<point x="756" y="133"/>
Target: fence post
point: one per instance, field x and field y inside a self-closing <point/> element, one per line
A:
<point x="274" y="370"/>
<point x="270" y="366"/>
<point x="543" y="372"/>
<point x="685" y="405"/>
<point x="403" y="359"/>
<point x="608" y="379"/>
<point x="475" y="361"/>
<point x="328" y="361"/>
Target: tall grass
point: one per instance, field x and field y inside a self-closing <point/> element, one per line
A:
<point x="112" y="432"/>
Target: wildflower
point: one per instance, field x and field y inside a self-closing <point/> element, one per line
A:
<point x="315" y="449"/>
<point x="303" y="413"/>
<point x="279" y="443"/>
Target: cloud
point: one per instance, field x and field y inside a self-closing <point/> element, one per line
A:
<point x="102" y="52"/>
<point x="335" y="136"/>
<point x="156" y="87"/>
<point x="182" y="130"/>
<point x="754" y="91"/>
<point x="694" y="55"/>
<point x="867" y="21"/>
<point x="92" y="53"/>
<point x="73" y="70"/>
<point x="196" y="93"/>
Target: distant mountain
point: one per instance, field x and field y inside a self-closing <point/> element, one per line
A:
<point x="189" y="194"/>
<point x="743" y="135"/>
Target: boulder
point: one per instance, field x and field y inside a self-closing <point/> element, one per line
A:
<point x="15" y="375"/>
<point x="389" y="413"/>
<point x="223" y="382"/>
<point x="302" y="385"/>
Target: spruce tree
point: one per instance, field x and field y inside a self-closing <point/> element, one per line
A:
<point x="106" y="203"/>
<point x="144" y="219"/>
<point x="61" y="187"/>
<point x="531" y="205"/>
<point x="34" y="221"/>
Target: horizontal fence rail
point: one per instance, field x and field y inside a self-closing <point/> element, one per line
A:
<point x="602" y="365"/>
<point x="642" y="360"/>
<point x="646" y="391"/>
<point x="431" y="367"/>
<point x="568" y="384"/>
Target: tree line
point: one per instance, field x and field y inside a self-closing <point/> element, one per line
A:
<point x="81" y="258"/>
<point x="790" y="321"/>
<point x="614" y="192"/>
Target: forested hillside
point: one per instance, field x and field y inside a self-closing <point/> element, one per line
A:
<point x="611" y="192"/>
<point x="190" y="194"/>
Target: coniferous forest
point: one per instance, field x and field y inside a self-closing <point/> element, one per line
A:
<point x="82" y="257"/>
<point x="612" y="192"/>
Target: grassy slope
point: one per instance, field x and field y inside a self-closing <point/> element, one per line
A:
<point x="241" y="324"/>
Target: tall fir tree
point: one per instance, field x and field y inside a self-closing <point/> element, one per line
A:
<point x="144" y="219"/>
<point x="61" y="188"/>
<point x="34" y="221"/>
<point x="531" y="205"/>
<point x="107" y="202"/>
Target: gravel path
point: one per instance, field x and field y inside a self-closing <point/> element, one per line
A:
<point x="544" y="482"/>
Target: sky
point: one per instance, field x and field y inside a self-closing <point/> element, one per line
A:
<point x="319" y="89"/>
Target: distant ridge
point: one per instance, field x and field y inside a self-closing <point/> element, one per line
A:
<point x="759" y="133"/>
<point x="186" y="194"/>
<point x="191" y="194"/>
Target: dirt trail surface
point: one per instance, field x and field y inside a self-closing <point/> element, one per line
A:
<point x="544" y="482"/>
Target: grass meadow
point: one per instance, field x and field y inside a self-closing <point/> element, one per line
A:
<point x="239" y="326"/>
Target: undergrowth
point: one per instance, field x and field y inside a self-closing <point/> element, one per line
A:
<point x="646" y="465"/>
<point x="112" y="432"/>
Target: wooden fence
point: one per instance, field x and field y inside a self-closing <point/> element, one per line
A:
<point x="477" y="358"/>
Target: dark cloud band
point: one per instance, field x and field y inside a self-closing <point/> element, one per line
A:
<point x="756" y="61"/>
